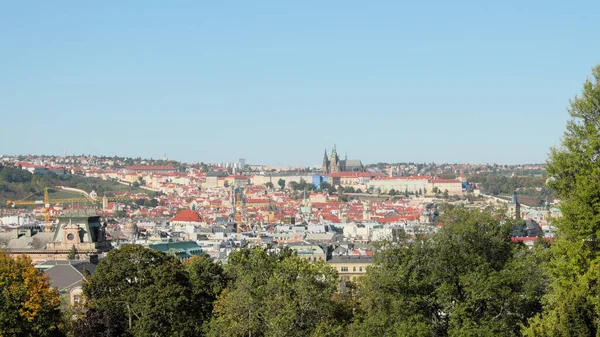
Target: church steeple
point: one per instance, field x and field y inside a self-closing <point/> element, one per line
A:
<point x="334" y="162"/>
<point x="325" y="163"/>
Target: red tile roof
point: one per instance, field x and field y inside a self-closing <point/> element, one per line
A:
<point x="238" y="176"/>
<point x="187" y="215"/>
<point x="257" y="201"/>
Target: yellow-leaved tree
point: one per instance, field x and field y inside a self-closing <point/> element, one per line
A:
<point x="28" y="307"/>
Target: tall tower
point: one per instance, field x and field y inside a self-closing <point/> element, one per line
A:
<point x="366" y="210"/>
<point x="325" y="163"/>
<point x="335" y="161"/>
<point x="515" y="201"/>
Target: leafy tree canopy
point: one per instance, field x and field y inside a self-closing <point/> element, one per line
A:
<point x="469" y="279"/>
<point x="572" y="305"/>
<point x="277" y="295"/>
<point x="151" y="287"/>
<point x="28" y="307"/>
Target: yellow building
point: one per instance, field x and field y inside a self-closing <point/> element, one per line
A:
<point x="350" y="267"/>
<point x="453" y="186"/>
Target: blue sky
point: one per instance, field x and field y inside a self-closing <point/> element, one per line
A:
<point x="276" y="82"/>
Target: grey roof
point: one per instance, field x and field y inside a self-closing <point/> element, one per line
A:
<point x="36" y="241"/>
<point x="532" y="225"/>
<point x="351" y="259"/>
<point x="5" y="238"/>
<point x="302" y="249"/>
<point x="320" y="236"/>
<point x="83" y="266"/>
<point x="353" y="163"/>
<point x="340" y="250"/>
<point x="64" y="277"/>
<point x="216" y="174"/>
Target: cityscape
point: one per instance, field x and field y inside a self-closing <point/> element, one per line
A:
<point x="279" y="169"/>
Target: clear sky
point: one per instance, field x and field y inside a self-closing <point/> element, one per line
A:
<point x="276" y="82"/>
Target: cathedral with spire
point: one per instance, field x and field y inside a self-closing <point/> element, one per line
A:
<point x="334" y="164"/>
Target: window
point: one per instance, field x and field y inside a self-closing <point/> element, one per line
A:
<point x="354" y="268"/>
<point x="76" y="299"/>
<point x="344" y="268"/>
<point x="70" y="236"/>
<point x="360" y="268"/>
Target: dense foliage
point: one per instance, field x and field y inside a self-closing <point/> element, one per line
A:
<point x="469" y="279"/>
<point x="28" y="307"/>
<point x="277" y="295"/>
<point x="150" y="288"/>
<point x="496" y="184"/>
<point x="572" y="305"/>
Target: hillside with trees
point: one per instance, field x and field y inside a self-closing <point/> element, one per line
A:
<point x="16" y="184"/>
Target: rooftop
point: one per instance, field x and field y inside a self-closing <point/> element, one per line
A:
<point x="351" y="259"/>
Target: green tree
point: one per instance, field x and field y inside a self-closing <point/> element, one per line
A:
<point x="277" y="295"/>
<point x="207" y="279"/>
<point x="281" y="184"/>
<point x="149" y="287"/>
<point x="468" y="279"/>
<point x="100" y="323"/>
<point x="269" y="185"/>
<point x="325" y="186"/>
<point x="150" y="202"/>
<point x="392" y="192"/>
<point x="349" y="189"/>
<point x="28" y="307"/>
<point x="572" y="305"/>
<point x="119" y="214"/>
<point x="73" y="254"/>
<point x="341" y="195"/>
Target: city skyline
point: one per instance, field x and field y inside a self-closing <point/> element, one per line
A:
<point x="237" y="163"/>
<point x="277" y="83"/>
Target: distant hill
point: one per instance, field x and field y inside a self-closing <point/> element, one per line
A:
<point x="16" y="184"/>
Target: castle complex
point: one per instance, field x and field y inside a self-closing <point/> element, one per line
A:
<point x="333" y="164"/>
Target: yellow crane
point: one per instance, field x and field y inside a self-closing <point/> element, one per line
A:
<point x="47" y="200"/>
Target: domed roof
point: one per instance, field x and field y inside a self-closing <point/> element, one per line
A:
<point x="187" y="215"/>
<point x="130" y="226"/>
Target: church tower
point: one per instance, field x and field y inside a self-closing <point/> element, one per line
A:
<point x="334" y="163"/>
<point x="325" y="163"/>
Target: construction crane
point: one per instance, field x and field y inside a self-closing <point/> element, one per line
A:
<point x="47" y="200"/>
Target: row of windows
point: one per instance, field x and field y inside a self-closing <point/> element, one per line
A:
<point x="345" y="268"/>
<point x="314" y="259"/>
